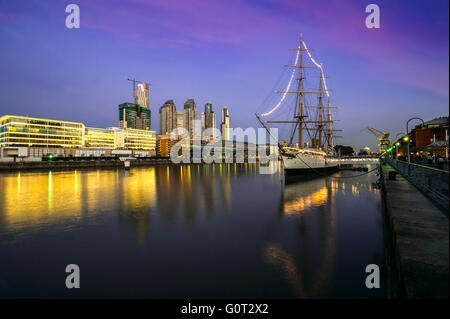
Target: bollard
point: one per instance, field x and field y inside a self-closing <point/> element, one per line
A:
<point x="392" y="175"/>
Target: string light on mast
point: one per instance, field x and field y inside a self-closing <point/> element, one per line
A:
<point x="292" y="77"/>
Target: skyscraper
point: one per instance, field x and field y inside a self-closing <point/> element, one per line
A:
<point x="167" y="117"/>
<point x="180" y="119"/>
<point x="225" y="125"/>
<point x="134" y="116"/>
<point x="209" y="121"/>
<point x="190" y="115"/>
<point x="142" y="95"/>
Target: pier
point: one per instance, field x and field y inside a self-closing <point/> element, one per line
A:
<point x="416" y="236"/>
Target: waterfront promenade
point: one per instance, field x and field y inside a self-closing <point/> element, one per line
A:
<point x="417" y="240"/>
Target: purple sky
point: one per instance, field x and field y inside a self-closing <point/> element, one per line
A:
<point x="229" y="52"/>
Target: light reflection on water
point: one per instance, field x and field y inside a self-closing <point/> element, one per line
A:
<point x="218" y="230"/>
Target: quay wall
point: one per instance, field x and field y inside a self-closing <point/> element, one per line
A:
<point x="68" y="165"/>
<point x="416" y="238"/>
<point x="82" y="164"/>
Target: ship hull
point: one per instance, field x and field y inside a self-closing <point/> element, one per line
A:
<point x="304" y="165"/>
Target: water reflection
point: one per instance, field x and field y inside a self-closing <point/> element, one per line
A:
<point x="135" y="200"/>
<point x="217" y="221"/>
<point x="314" y="196"/>
<point x="311" y="206"/>
<point x="33" y="198"/>
<point x="303" y="196"/>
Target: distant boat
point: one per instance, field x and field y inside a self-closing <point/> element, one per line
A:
<point x="318" y="154"/>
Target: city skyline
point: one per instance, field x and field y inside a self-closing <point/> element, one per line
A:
<point x="78" y="74"/>
<point x="170" y="119"/>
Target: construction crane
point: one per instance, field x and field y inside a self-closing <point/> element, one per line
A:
<point x="134" y="88"/>
<point x="382" y="137"/>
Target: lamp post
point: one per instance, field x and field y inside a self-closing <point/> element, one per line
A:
<point x="413" y="118"/>
<point x="397" y="144"/>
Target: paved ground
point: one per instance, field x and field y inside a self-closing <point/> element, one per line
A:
<point x="420" y="238"/>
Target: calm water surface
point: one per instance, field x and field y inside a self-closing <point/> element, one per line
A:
<point x="206" y="231"/>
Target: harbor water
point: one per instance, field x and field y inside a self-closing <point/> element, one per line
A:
<point x="189" y="231"/>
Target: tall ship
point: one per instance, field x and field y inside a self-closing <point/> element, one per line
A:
<point x="311" y="121"/>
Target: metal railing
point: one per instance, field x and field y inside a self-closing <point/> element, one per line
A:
<point x="430" y="179"/>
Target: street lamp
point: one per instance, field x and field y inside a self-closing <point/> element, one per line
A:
<point x="406" y="138"/>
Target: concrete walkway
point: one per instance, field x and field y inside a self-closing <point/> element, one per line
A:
<point x="419" y="236"/>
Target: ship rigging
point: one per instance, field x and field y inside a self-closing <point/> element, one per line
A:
<point x="315" y="120"/>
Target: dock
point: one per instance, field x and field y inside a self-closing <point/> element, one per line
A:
<point x="416" y="241"/>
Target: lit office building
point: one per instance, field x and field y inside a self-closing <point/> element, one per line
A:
<point x="225" y="125"/>
<point x="34" y="137"/>
<point x="34" y="132"/>
<point x="99" y="137"/>
<point x="134" y="116"/>
<point x="139" y="140"/>
<point x="190" y="116"/>
<point x="167" y="117"/>
<point x="209" y="121"/>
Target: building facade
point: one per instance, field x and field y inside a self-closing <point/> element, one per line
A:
<point x="225" y="124"/>
<point x="431" y="138"/>
<point x="134" y="116"/>
<point x="35" y="132"/>
<point x="190" y="116"/>
<point x="99" y="137"/>
<point x="432" y="131"/>
<point x="34" y="137"/>
<point x="142" y="95"/>
<point x="139" y="140"/>
<point x="180" y="119"/>
<point x="167" y="117"/>
<point x="164" y="144"/>
<point x="208" y="122"/>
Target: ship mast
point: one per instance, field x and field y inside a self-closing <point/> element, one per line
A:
<point x="300" y="118"/>
<point x="300" y="109"/>
<point x="320" y="109"/>
<point x="330" y="132"/>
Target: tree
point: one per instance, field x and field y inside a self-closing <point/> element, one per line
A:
<point x="344" y="150"/>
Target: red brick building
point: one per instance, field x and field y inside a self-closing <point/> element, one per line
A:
<point x="433" y="131"/>
<point x="432" y="137"/>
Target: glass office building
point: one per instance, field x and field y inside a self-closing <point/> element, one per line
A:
<point x="139" y="139"/>
<point x="134" y="116"/>
<point x="99" y="137"/>
<point x="35" y="132"/>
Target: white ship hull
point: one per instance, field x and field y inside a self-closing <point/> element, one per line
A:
<point x="297" y="162"/>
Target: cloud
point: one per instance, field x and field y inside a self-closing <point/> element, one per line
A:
<point x="410" y="48"/>
<point x="188" y="23"/>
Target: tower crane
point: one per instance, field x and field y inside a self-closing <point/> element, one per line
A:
<point x="134" y="88"/>
<point x="382" y="137"/>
